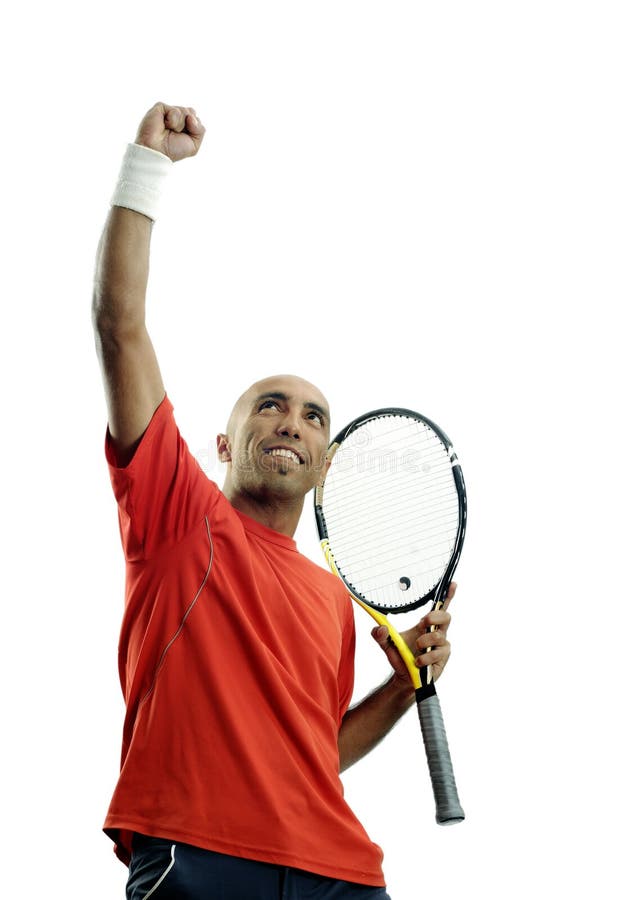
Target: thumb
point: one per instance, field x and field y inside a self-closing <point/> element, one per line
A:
<point x="382" y="636"/>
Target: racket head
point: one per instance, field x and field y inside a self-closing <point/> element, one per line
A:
<point x="391" y="510"/>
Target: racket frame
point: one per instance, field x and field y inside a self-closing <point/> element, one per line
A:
<point x="448" y="807"/>
<point x="438" y="591"/>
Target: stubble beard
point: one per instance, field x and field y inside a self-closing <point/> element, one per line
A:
<point x="268" y="478"/>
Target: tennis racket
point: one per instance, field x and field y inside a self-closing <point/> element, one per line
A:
<point x="391" y="517"/>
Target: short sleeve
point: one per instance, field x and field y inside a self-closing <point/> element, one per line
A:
<point x="163" y="492"/>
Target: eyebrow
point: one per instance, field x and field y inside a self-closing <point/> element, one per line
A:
<point x="280" y="395"/>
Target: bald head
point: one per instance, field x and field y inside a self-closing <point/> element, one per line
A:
<point x="279" y="386"/>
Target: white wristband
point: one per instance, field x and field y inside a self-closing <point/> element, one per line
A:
<point x="143" y="172"/>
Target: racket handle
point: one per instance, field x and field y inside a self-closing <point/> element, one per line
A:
<point x="448" y="807"/>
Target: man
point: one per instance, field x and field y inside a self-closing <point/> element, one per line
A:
<point x="236" y="652"/>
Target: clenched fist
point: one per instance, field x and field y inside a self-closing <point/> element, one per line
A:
<point x="173" y="130"/>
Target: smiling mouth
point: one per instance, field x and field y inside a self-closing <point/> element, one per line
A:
<point x="284" y="453"/>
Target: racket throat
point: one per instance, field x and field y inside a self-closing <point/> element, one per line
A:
<point x="424" y="692"/>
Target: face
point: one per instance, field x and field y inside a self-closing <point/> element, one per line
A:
<point x="277" y="439"/>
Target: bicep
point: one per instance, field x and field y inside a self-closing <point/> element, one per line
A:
<point x="133" y="385"/>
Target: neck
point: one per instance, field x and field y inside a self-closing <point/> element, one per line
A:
<point x="279" y="515"/>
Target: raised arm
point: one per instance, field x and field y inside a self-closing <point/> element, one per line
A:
<point x="132" y="379"/>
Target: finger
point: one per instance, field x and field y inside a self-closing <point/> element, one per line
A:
<point x="382" y="636"/>
<point x="435" y="656"/>
<point x="438" y="618"/>
<point x="175" y="118"/>
<point x="449" y="594"/>
<point x="431" y="639"/>
<point x="410" y="635"/>
<point x="193" y="124"/>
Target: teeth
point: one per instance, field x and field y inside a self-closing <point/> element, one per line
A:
<point x="286" y="453"/>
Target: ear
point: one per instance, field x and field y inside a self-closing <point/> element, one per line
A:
<point x="224" y="450"/>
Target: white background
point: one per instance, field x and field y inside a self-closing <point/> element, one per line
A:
<point x="414" y="204"/>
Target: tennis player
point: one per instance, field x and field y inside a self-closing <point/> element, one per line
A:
<point x="236" y="653"/>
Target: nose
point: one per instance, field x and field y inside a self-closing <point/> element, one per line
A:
<point x="289" y="427"/>
<point x="286" y="431"/>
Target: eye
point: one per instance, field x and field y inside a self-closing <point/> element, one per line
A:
<point x="316" y="417"/>
<point x="268" y="404"/>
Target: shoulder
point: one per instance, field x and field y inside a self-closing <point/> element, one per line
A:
<point x="330" y="584"/>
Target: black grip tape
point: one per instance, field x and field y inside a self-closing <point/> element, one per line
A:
<point x="448" y="807"/>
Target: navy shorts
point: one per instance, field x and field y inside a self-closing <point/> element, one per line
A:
<point x="165" y="870"/>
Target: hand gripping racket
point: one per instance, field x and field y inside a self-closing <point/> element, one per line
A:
<point x="391" y="517"/>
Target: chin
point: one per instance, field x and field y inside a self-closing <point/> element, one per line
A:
<point x="282" y="484"/>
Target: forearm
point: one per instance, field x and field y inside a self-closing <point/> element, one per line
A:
<point x="121" y="273"/>
<point x="132" y="380"/>
<point x="366" y="724"/>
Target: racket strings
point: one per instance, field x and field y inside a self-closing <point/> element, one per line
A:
<point x="380" y="579"/>
<point x="380" y="563"/>
<point x="366" y="490"/>
<point x="391" y="510"/>
<point x="403" y="518"/>
<point x="385" y="463"/>
<point x="410" y="428"/>
<point x="429" y="499"/>
<point x="365" y="558"/>
<point x="386" y="502"/>
<point x="427" y="577"/>
<point x="406" y="450"/>
<point x="377" y="439"/>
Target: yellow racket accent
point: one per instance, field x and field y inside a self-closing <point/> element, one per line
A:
<point x="406" y="654"/>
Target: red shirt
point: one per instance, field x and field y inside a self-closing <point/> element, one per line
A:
<point x="236" y="664"/>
